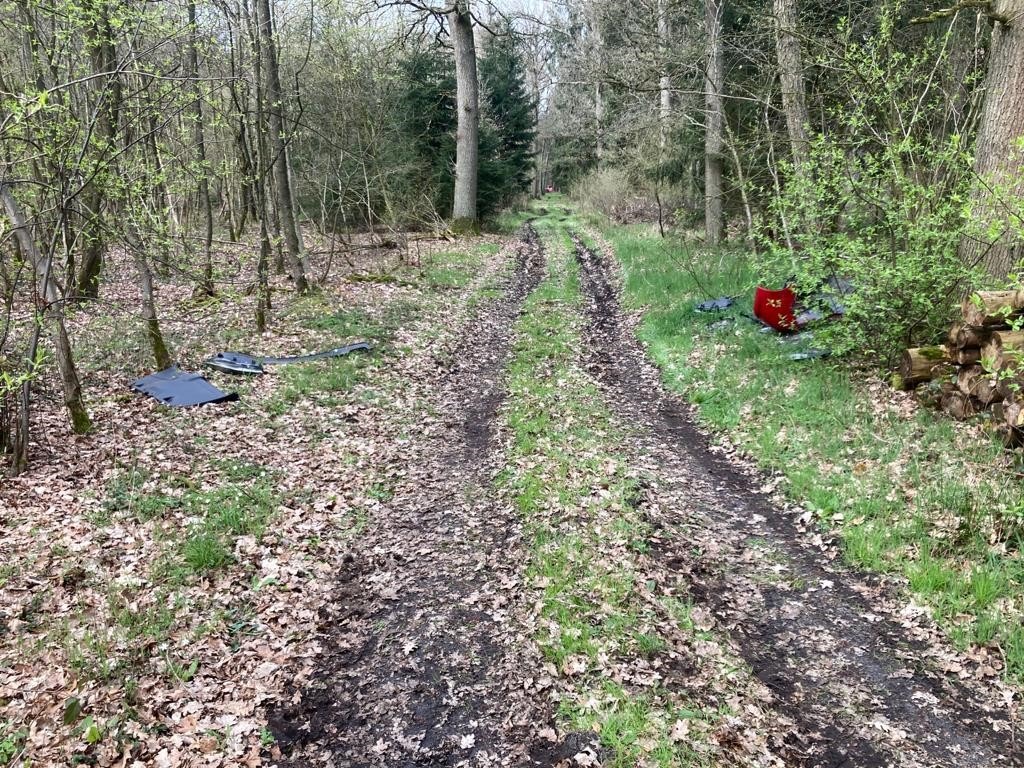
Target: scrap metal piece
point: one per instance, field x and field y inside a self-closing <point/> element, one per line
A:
<point x="241" y="363"/>
<point x="234" y="362"/>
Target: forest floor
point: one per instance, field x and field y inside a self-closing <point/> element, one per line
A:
<point x="500" y="540"/>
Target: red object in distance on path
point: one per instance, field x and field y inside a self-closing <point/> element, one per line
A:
<point x="776" y="308"/>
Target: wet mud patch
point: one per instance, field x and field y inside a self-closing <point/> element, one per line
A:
<point x="423" y="661"/>
<point x="856" y="682"/>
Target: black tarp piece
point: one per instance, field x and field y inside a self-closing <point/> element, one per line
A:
<point x="715" y="305"/>
<point x="239" y="362"/>
<point x="178" y="389"/>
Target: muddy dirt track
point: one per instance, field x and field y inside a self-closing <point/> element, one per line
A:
<point x="423" y="664"/>
<point x="857" y="692"/>
<point x="426" y="664"/>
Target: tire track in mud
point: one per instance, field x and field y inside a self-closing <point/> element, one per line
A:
<point x="857" y="691"/>
<point x="423" y="663"/>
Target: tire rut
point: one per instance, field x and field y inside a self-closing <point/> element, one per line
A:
<point x="859" y="691"/>
<point x="423" y="662"/>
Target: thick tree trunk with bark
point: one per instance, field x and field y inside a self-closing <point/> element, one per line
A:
<point x="791" y="78"/>
<point x="997" y="163"/>
<point x="294" y="249"/>
<point x="714" y="84"/>
<point x="597" y="52"/>
<point x="467" y="145"/>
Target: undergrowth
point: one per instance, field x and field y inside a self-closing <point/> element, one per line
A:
<point x="910" y="493"/>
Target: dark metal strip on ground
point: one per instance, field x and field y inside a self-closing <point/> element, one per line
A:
<point x="424" y="664"/>
<point x="840" y="666"/>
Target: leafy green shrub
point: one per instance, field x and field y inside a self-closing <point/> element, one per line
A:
<point x="882" y="201"/>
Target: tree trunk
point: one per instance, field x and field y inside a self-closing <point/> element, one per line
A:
<point x="714" y="223"/>
<point x="103" y="60"/>
<point x="294" y="249"/>
<point x="791" y="78"/>
<point x="467" y="97"/>
<point x="665" y="81"/>
<point x="147" y="295"/>
<point x="997" y="156"/>
<point x="49" y="295"/>
<point x="205" y="202"/>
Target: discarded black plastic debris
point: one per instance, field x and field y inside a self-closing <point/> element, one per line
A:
<point x="234" y="362"/>
<point x="811" y="354"/>
<point x="239" y="362"/>
<point x="178" y="388"/>
<point x="715" y="305"/>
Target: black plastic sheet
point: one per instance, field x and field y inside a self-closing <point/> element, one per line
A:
<point x="179" y="389"/>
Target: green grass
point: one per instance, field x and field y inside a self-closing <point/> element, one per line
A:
<point x="573" y="488"/>
<point x="240" y="502"/>
<point x="12" y="742"/>
<point x="908" y="494"/>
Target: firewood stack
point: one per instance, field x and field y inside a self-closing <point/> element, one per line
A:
<point x="981" y="366"/>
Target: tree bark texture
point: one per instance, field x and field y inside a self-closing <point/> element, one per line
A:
<point x="199" y="135"/>
<point x="714" y="84"/>
<point x="294" y="249"/>
<point x="998" y="154"/>
<point x="665" y="81"/>
<point x="103" y="60"/>
<point x="467" y="145"/>
<point x="50" y="298"/>
<point x="791" y="78"/>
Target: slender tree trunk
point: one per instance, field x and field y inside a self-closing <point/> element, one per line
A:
<point x="103" y="59"/>
<point x="665" y="81"/>
<point x="199" y="136"/>
<point x="467" y="146"/>
<point x="791" y="77"/>
<point x="537" y="186"/>
<point x="998" y="151"/>
<point x="714" y="224"/>
<point x="741" y="180"/>
<point x="258" y="153"/>
<point x="50" y="298"/>
<point x="294" y="248"/>
<point x="147" y="295"/>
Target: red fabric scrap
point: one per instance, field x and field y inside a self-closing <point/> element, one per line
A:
<point x="776" y="308"/>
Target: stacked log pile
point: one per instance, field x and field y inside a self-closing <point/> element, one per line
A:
<point x="981" y="365"/>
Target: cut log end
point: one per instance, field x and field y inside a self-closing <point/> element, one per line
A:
<point x="922" y="364"/>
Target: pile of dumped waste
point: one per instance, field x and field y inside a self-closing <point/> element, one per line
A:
<point x="177" y="388"/>
<point x="786" y="312"/>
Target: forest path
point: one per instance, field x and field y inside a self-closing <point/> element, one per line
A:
<point x="852" y="684"/>
<point x="424" y="663"/>
<point x="430" y="658"/>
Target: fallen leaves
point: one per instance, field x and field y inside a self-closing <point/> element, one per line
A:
<point x="98" y="624"/>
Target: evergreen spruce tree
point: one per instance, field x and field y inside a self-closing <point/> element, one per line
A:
<point x="508" y="130"/>
<point x="427" y="109"/>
